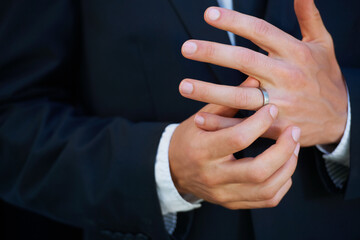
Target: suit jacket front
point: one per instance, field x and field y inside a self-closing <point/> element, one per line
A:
<point x="86" y="90"/>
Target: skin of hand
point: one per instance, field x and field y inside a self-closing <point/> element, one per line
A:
<point x="303" y="78"/>
<point x="202" y="162"/>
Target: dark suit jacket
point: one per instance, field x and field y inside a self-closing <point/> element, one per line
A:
<point x="86" y="90"/>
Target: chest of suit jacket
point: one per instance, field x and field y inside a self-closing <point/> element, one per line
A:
<point x="132" y="64"/>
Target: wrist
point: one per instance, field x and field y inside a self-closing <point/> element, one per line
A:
<point x="336" y="129"/>
<point x="173" y="147"/>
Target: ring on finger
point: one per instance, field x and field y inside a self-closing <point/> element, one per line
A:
<point x="266" y="99"/>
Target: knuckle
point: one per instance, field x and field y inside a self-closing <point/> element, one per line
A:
<point x="289" y="73"/>
<point x="241" y="98"/>
<point x="210" y="51"/>
<point x="286" y="150"/>
<point x="234" y="20"/>
<point x="304" y="53"/>
<point x="268" y="193"/>
<point x="213" y="122"/>
<point x="258" y="174"/>
<point x="294" y="78"/>
<point x="296" y="75"/>
<point x="244" y="58"/>
<point x="230" y="206"/>
<point x="238" y="141"/>
<point x="261" y="27"/>
<point x="219" y="197"/>
<point x="290" y="182"/>
<point x="316" y="14"/>
<point x="273" y="202"/>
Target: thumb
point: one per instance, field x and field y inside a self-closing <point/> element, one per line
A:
<point x="311" y="24"/>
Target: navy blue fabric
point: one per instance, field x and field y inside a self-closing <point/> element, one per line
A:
<point x="87" y="88"/>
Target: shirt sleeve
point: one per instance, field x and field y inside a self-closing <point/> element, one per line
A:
<point x="171" y="201"/>
<point x="337" y="157"/>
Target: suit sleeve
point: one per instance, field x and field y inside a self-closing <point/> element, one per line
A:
<point x="352" y="76"/>
<point x="55" y="159"/>
<point x="351" y="190"/>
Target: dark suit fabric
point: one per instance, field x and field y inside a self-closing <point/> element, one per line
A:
<point x="86" y="90"/>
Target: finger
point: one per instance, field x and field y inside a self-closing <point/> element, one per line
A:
<point x="260" y="32"/>
<point x="220" y="110"/>
<point x="311" y="24"/>
<point x="230" y="140"/>
<point x="213" y="122"/>
<point x="271" y="186"/>
<point x="261" y="168"/>
<point x="251" y="82"/>
<point x="222" y="117"/>
<point x="275" y="156"/>
<point x="233" y="97"/>
<point x="257" y="192"/>
<point x="245" y="60"/>
<point x="261" y="204"/>
<point x="226" y="111"/>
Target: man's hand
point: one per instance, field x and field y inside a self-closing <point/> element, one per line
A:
<point x="302" y="78"/>
<point x="202" y="162"/>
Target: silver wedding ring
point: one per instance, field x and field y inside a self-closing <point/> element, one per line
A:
<point x="265" y="96"/>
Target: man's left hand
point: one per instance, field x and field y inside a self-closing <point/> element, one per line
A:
<point x="303" y="78"/>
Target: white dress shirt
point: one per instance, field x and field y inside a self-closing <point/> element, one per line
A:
<point x="172" y="202"/>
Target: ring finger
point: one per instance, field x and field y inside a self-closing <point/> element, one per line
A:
<point x="234" y="97"/>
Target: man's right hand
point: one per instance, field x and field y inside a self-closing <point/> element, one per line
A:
<point x="202" y="162"/>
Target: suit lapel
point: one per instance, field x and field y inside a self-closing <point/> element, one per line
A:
<point x="191" y="14"/>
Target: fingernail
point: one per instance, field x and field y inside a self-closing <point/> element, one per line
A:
<point x="213" y="14"/>
<point x="199" y="120"/>
<point x="296" y="133"/>
<point x="273" y="111"/>
<point x="186" y="87"/>
<point x="297" y="150"/>
<point x="189" y="47"/>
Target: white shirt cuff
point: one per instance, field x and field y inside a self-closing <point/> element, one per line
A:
<point x="170" y="199"/>
<point x="340" y="153"/>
